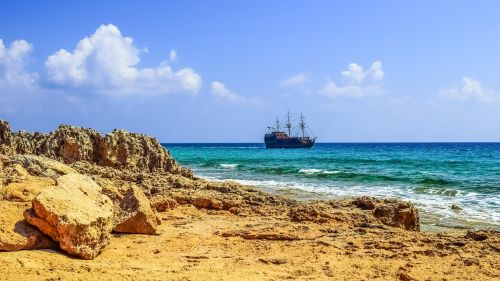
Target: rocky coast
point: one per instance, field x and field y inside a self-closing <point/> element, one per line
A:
<point x="77" y="205"/>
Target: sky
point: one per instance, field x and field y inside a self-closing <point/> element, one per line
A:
<point x="223" y="71"/>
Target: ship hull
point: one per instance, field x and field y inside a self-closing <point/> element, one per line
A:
<point x="291" y="142"/>
<point x="276" y="145"/>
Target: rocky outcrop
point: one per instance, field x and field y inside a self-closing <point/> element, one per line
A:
<point x="118" y="149"/>
<point x="74" y="213"/>
<point x="137" y="151"/>
<point x="391" y="212"/>
<point x="15" y="233"/>
<point x="135" y="214"/>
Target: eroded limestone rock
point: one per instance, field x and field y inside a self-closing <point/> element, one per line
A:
<point x="69" y="144"/>
<point x="135" y="214"/>
<point x="75" y="214"/>
<point x="397" y="213"/>
<point x="15" y="233"/>
<point x="42" y="166"/>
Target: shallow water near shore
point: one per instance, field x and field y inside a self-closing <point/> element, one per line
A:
<point x="434" y="176"/>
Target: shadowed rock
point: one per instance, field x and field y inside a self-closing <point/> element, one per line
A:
<point x="15" y="233"/>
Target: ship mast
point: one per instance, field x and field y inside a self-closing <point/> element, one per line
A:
<point x="277" y="124"/>
<point x="288" y="124"/>
<point x="302" y="125"/>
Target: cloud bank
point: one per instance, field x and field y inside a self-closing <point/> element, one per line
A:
<point x="106" y="62"/>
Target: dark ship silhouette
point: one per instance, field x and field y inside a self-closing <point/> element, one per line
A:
<point x="277" y="138"/>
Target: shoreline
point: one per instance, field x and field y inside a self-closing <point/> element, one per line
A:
<point x="429" y="220"/>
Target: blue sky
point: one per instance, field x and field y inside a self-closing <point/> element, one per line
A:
<point x="221" y="71"/>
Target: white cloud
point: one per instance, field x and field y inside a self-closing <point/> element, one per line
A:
<point x="354" y="73"/>
<point x="376" y="71"/>
<point x="332" y="90"/>
<point x="13" y="60"/>
<point x="356" y="82"/>
<point x="173" y="55"/>
<point x="471" y="90"/>
<point x="295" y="80"/>
<point x="107" y="62"/>
<point x="220" y="91"/>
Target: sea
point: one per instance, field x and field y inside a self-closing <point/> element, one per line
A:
<point x="434" y="176"/>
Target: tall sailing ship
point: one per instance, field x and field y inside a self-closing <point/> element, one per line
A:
<point x="278" y="138"/>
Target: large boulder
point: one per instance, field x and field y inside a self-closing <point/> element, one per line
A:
<point x="135" y="214"/>
<point x="15" y="233"/>
<point x="74" y="213"/>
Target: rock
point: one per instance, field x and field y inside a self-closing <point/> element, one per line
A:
<point x="477" y="235"/>
<point x="391" y="212"/>
<point x="42" y="166"/>
<point x="365" y="203"/>
<point x="403" y="276"/>
<point x="121" y="149"/>
<point x="470" y="261"/>
<point x="455" y="207"/>
<point x="5" y="138"/>
<point x="16" y="234"/>
<point x="26" y="190"/>
<point x="18" y="185"/>
<point x="314" y="213"/>
<point x="69" y="144"/>
<point x="109" y="189"/>
<point x="397" y="213"/>
<point x="163" y="203"/>
<point x="75" y="214"/>
<point x="135" y="214"/>
<point x="206" y="203"/>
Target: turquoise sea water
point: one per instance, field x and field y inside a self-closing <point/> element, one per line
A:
<point x="432" y="175"/>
